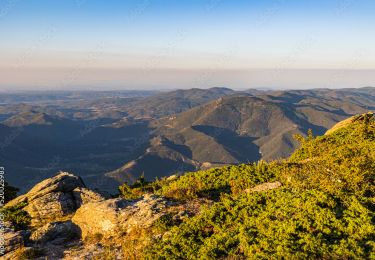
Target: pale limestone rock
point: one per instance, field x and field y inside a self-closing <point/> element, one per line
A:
<point x="265" y="186"/>
<point x="13" y="240"/>
<point x="63" y="182"/>
<point x="55" y="198"/>
<point x="116" y="216"/>
<point x="99" y="217"/>
<point x="84" y="195"/>
<point x="55" y="233"/>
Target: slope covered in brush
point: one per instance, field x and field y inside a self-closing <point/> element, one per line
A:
<point x="324" y="208"/>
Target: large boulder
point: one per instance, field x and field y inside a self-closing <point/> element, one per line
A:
<point x="55" y="233"/>
<point x="84" y="195"/>
<point x="113" y="217"/>
<point x="55" y="198"/>
<point x="62" y="182"/>
<point x="13" y="240"/>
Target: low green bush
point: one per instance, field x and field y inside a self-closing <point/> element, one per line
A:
<point x="17" y="216"/>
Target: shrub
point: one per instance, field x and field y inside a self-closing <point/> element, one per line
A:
<point x="137" y="189"/>
<point x="164" y="223"/>
<point x="17" y="216"/>
<point x="29" y="253"/>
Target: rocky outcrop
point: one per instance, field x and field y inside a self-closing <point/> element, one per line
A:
<point x="113" y="217"/>
<point x="265" y="186"/>
<point x="364" y="117"/>
<point x="55" y="233"/>
<point x="13" y="240"/>
<point x="64" y="213"/>
<point x="50" y="203"/>
<point x="55" y="198"/>
<point x="63" y="182"/>
<point x="83" y="195"/>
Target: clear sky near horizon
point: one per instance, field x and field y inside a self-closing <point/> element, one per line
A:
<point x="150" y="44"/>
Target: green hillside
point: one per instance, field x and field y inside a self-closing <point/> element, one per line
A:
<point x="324" y="208"/>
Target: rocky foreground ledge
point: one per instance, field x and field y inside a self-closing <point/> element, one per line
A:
<point x="65" y="214"/>
<point x="70" y="221"/>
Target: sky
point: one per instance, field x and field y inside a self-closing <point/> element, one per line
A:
<point x="163" y="44"/>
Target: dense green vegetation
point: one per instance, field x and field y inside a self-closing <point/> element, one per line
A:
<point x="324" y="209"/>
<point x="209" y="184"/>
<point x="135" y="190"/>
<point x="279" y="223"/>
<point x="17" y="216"/>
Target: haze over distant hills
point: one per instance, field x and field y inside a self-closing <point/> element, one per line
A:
<point x="112" y="137"/>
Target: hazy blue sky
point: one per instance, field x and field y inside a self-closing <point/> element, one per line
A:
<point x="180" y="43"/>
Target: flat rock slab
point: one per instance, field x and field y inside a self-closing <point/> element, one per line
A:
<point x="112" y="217"/>
<point x="265" y="186"/>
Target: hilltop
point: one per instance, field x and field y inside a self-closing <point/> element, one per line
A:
<point x="239" y="128"/>
<point x="318" y="203"/>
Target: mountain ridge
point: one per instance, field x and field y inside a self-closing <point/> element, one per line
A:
<point x="97" y="138"/>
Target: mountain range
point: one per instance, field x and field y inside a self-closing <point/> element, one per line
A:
<point x="110" y="138"/>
